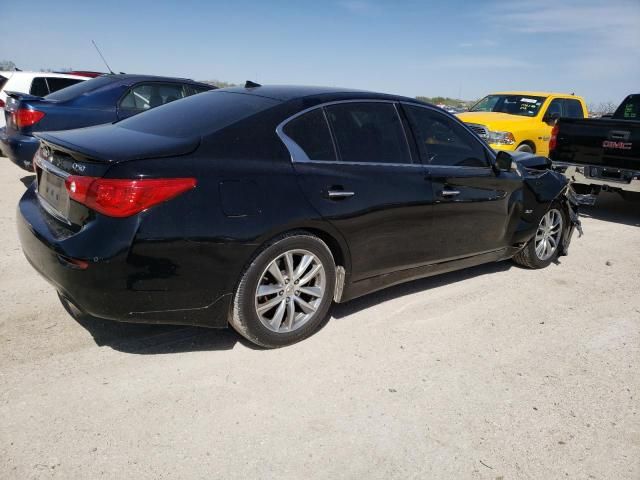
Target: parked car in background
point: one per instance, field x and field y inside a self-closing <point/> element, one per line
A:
<point x="603" y="153"/>
<point x="33" y="83"/>
<point x="104" y="99"/>
<point x="522" y="121"/>
<point x="261" y="206"/>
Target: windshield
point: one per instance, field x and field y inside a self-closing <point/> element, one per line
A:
<point x="527" y="106"/>
<point x="197" y="115"/>
<point x="78" y="89"/>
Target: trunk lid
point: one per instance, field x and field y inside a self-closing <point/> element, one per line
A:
<point x="112" y="143"/>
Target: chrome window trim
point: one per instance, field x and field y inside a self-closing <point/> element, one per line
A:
<point x="299" y="156"/>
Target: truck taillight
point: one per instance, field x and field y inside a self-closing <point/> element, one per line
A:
<point x="553" y="141"/>
<point x="117" y="197"/>
<point x="25" y="117"/>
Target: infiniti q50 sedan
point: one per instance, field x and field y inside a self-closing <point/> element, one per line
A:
<point x="259" y="207"/>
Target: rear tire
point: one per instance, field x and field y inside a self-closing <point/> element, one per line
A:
<point x="544" y="247"/>
<point x="286" y="292"/>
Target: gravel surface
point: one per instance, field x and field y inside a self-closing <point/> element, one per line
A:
<point x="495" y="372"/>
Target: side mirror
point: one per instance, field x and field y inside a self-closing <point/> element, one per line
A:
<point x="551" y="118"/>
<point x="504" y="162"/>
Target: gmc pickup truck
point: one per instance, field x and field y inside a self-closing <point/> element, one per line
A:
<point x="601" y="154"/>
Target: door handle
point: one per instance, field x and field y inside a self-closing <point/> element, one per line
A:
<point x="450" y="193"/>
<point x="339" y="194"/>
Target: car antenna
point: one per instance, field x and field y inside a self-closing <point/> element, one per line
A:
<point x="101" y="56"/>
<point x="250" y="84"/>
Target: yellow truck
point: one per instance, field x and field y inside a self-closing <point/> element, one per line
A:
<point x="521" y="121"/>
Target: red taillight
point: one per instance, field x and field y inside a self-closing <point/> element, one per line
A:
<point x="2" y="104"/>
<point x="553" y="141"/>
<point x="116" y="197"/>
<point x="25" y="117"/>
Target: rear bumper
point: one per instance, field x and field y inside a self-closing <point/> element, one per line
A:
<point x="579" y="174"/>
<point x="19" y="148"/>
<point x="110" y="287"/>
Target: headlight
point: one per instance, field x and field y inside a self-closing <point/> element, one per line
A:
<point x="500" y="138"/>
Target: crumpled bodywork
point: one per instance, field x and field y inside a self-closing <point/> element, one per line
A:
<point x="542" y="187"/>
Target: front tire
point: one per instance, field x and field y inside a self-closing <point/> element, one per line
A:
<point x="546" y="244"/>
<point x="524" y="148"/>
<point x="285" y="294"/>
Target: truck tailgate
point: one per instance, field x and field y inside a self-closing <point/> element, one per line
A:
<point x="598" y="142"/>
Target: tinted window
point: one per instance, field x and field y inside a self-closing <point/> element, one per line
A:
<point x="56" y="83"/>
<point x="150" y="95"/>
<point x="573" y="108"/>
<point x="555" y="107"/>
<point x="198" y="115"/>
<point x="39" y="87"/>
<point x="444" y="141"/>
<point x="368" y="132"/>
<point x="311" y="133"/>
<point x="629" y="109"/>
<point x="193" y="89"/>
<point x="3" y="80"/>
<point x="81" y="88"/>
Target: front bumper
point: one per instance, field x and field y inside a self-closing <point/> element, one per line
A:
<point x="19" y="148"/>
<point x="581" y="174"/>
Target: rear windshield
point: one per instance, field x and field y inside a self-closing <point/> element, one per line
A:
<point x="78" y="89"/>
<point x="198" y="115"/>
<point x="629" y="109"/>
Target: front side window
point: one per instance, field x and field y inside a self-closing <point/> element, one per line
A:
<point x="311" y="134"/>
<point x="555" y="108"/>
<point x="39" y="87"/>
<point x="57" y="83"/>
<point x="573" y="108"/>
<point x="443" y="141"/>
<point x="150" y="95"/>
<point x="368" y="132"/>
<point x="523" y="105"/>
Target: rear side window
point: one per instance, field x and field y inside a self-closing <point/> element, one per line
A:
<point x="368" y="132"/>
<point x="56" y="83"/>
<point x="572" y="109"/>
<point x="150" y="95"/>
<point x="39" y="87"/>
<point x="198" y="115"/>
<point x="554" y="108"/>
<point x="81" y="88"/>
<point x="629" y="109"/>
<point x="311" y="134"/>
<point x="443" y="141"/>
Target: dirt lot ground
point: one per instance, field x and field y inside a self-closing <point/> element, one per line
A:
<point x="494" y="372"/>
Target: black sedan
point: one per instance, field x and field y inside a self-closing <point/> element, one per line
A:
<point x="261" y="206"/>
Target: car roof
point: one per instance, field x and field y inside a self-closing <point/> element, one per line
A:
<point x="11" y="73"/>
<point x="137" y="76"/>
<point x="535" y="94"/>
<point x="285" y="93"/>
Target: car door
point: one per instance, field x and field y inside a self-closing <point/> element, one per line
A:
<point x="475" y="211"/>
<point x="354" y="163"/>
<point x="145" y="96"/>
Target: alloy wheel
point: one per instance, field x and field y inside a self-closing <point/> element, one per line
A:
<point x="548" y="234"/>
<point x="290" y="291"/>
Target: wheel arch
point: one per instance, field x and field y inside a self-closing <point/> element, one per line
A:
<point x="528" y="143"/>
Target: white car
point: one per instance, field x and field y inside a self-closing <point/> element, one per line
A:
<point x="34" y="83"/>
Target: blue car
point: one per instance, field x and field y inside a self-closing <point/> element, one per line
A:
<point x="104" y="99"/>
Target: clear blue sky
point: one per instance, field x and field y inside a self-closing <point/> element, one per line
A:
<point x="430" y="48"/>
